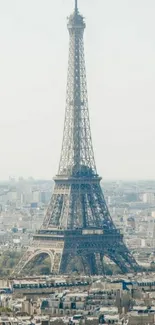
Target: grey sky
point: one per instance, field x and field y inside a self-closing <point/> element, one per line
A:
<point x="120" y="60"/>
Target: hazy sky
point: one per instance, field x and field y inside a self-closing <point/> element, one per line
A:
<point x="120" y="60"/>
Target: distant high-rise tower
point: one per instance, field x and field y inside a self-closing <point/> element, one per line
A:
<point x="77" y="224"/>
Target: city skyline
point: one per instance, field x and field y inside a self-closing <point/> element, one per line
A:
<point x="121" y="79"/>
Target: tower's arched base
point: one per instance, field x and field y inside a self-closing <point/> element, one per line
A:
<point x="52" y="249"/>
<point x="40" y="264"/>
<point x="90" y="246"/>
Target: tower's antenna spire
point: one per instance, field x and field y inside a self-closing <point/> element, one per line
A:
<point x="76" y="5"/>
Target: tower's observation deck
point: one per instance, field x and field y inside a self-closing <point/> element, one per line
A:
<point x="75" y="20"/>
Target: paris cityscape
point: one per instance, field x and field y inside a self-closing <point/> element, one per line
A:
<point x="78" y="248"/>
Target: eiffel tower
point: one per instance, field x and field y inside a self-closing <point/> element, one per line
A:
<point x="77" y="224"/>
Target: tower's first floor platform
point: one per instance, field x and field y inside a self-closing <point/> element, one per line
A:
<point x="88" y="245"/>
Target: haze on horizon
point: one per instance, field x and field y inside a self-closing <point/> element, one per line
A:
<point x="120" y="61"/>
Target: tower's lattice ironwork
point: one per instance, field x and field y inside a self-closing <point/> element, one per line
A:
<point x="77" y="222"/>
